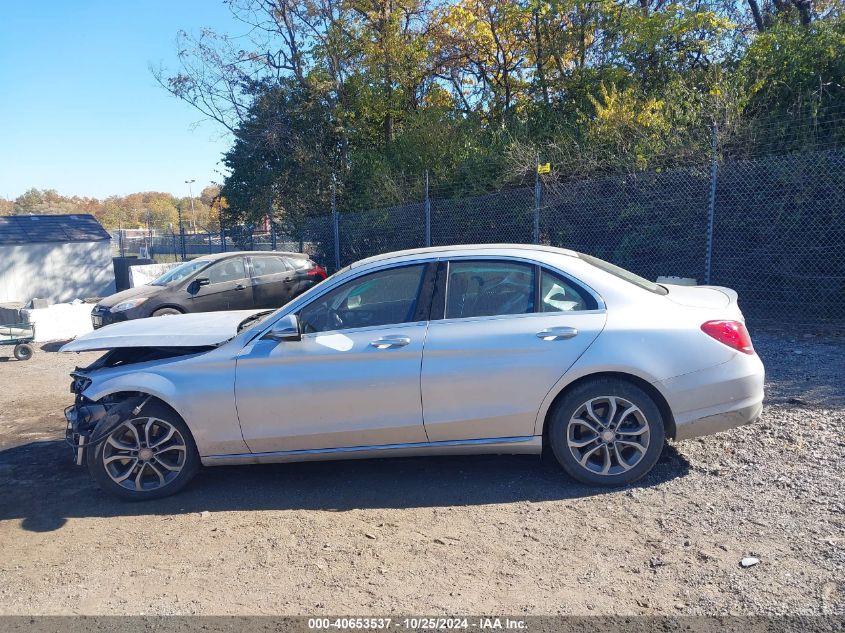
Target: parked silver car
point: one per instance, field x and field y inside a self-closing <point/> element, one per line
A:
<point x="466" y="349"/>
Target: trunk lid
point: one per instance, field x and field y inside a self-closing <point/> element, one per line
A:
<point x="706" y="297"/>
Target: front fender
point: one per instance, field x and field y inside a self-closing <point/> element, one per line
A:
<point x="208" y="410"/>
<point x="145" y="382"/>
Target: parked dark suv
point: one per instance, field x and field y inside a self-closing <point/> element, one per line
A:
<point x="226" y="281"/>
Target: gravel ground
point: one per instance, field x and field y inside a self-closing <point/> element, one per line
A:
<point x="442" y="535"/>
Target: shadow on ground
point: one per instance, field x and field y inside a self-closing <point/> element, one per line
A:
<point x="43" y="488"/>
<point x="6" y="351"/>
<point x="54" y="346"/>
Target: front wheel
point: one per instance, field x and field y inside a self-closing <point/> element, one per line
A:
<point x="149" y="456"/>
<point x="607" y="432"/>
<point x="166" y="312"/>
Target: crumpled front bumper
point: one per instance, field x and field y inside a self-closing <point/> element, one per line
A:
<point x="82" y="419"/>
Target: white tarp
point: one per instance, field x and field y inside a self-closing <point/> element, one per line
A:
<point x="60" y="321"/>
<point x="143" y="274"/>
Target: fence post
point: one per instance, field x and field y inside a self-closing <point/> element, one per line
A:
<point x="272" y="224"/>
<point x="427" y="213"/>
<point x="538" y="194"/>
<point x="181" y="234"/>
<point x="336" y="223"/>
<point x="175" y="253"/>
<point x="120" y="246"/>
<point x="711" y="203"/>
<point x="222" y="233"/>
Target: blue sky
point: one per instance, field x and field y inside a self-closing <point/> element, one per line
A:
<point x="80" y="111"/>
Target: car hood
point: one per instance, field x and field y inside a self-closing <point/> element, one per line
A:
<point x="131" y="293"/>
<point x="178" y="330"/>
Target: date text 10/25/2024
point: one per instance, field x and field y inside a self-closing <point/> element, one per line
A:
<point x="417" y="623"/>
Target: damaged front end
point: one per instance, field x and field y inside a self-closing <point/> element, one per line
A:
<point x="90" y="422"/>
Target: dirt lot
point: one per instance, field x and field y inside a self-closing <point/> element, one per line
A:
<point x="448" y="535"/>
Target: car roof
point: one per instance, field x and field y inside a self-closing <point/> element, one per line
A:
<point x="218" y="256"/>
<point x="464" y="249"/>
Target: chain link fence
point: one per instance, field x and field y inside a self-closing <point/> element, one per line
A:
<point x="772" y="228"/>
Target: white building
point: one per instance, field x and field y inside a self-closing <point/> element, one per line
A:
<point x="55" y="257"/>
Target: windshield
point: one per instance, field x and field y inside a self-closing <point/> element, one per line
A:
<point x="627" y="275"/>
<point x="180" y="272"/>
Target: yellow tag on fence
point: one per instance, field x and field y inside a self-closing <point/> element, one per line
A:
<point x="545" y="168"/>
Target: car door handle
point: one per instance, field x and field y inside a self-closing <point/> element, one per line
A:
<point x="557" y="333"/>
<point x="240" y="287"/>
<point x="388" y="342"/>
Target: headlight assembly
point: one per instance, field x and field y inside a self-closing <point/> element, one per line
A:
<point x="123" y="306"/>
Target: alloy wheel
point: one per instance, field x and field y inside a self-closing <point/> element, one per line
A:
<point x="608" y="435"/>
<point x="144" y="454"/>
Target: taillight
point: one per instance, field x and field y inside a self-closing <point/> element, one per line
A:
<point x="731" y="333"/>
<point x="317" y="272"/>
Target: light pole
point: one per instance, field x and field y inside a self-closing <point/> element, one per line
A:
<point x="193" y="213"/>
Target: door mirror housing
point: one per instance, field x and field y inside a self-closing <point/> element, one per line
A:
<point x="285" y="329"/>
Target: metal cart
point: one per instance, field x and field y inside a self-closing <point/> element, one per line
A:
<point x="20" y="335"/>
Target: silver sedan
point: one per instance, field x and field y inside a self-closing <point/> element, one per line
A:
<point x="451" y="350"/>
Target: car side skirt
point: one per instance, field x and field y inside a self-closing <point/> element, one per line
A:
<point x="528" y="445"/>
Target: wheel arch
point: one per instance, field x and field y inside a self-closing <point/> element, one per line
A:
<point x="170" y="305"/>
<point x="117" y="396"/>
<point x="560" y="392"/>
<point x="151" y="385"/>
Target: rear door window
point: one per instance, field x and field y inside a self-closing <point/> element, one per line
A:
<point x="268" y="265"/>
<point x="489" y="288"/>
<point x="227" y="270"/>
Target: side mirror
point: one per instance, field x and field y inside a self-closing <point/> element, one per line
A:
<point x="285" y="329"/>
<point x="202" y="281"/>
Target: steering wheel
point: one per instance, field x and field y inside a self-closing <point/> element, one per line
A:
<point x="334" y="317"/>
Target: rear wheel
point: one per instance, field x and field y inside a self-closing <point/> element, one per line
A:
<point x="166" y="311"/>
<point x="607" y="432"/>
<point x="149" y="456"/>
<point x="23" y="351"/>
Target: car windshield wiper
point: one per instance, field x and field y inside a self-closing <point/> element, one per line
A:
<point x="252" y="320"/>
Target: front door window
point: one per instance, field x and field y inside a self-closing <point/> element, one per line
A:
<point x="386" y="297"/>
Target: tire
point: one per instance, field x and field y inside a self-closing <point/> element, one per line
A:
<point x="584" y="444"/>
<point x="149" y="463"/>
<point x="23" y="351"/>
<point x="166" y="311"/>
